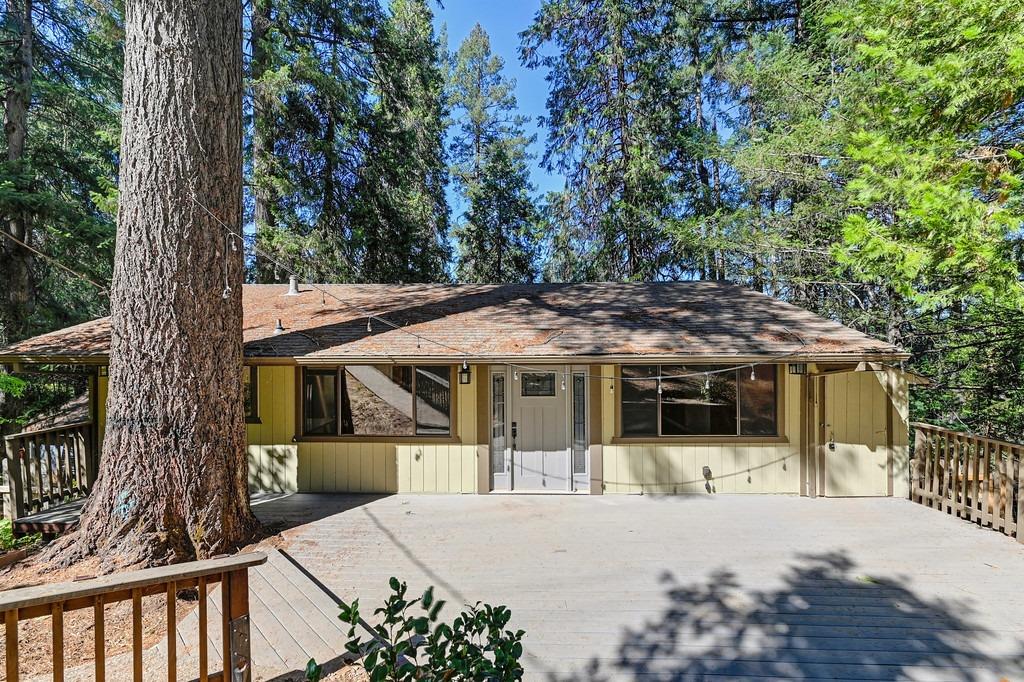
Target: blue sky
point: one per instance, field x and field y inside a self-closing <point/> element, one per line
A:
<point x="503" y="20"/>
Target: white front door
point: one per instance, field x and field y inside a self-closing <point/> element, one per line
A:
<point x="540" y="431"/>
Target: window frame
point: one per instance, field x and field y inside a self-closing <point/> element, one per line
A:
<point x="523" y="382"/>
<point x="300" y="410"/>
<point x="252" y="414"/>
<point x="778" y="436"/>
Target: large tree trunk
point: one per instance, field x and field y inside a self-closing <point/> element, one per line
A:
<point x="172" y="483"/>
<point x="17" y="292"/>
<point x="16" y="278"/>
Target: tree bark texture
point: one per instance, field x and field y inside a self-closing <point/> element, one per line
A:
<point x="173" y="473"/>
<point x="16" y="278"/>
<point x="17" y="260"/>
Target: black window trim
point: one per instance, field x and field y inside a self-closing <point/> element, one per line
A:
<point x="620" y="435"/>
<point x="252" y="415"/>
<point x="337" y="436"/>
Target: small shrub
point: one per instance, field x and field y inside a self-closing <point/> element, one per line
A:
<point x="411" y="643"/>
<point x="9" y="542"/>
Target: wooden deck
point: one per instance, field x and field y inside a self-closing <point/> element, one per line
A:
<point x="293" y="619"/>
<point x="52" y="521"/>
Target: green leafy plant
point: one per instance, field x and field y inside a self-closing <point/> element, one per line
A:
<point x="411" y="643"/>
<point x="9" y="542"/>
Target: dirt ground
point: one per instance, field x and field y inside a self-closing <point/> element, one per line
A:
<point x="35" y="643"/>
<point x="35" y="636"/>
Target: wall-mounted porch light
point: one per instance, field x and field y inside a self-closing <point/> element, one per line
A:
<point x="798" y="368"/>
<point x="464" y="373"/>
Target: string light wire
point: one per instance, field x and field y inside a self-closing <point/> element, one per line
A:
<point x="103" y="290"/>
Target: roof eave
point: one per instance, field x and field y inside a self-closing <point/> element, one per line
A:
<point x="615" y="358"/>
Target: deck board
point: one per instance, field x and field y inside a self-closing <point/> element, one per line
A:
<point x="292" y="621"/>
<point x="53" y="521"/>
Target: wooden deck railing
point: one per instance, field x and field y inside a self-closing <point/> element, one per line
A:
<point x="57" y="599"/>
<point x="978" y="479"/>
<point x="49" y="467"/>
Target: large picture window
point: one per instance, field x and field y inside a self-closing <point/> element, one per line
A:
<point x="377" y="400"/>
<point x="698" y="400"/>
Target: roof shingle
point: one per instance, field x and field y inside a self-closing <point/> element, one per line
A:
<point x="670" y="319"/>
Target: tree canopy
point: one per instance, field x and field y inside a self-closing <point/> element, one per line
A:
<point x="859" y="158"/>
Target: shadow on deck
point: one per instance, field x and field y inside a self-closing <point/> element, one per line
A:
<point x="276" y="511"/>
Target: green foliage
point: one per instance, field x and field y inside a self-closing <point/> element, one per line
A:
<point x="308" y="75"/>
<point x="9" y="542"/>
<point x="499" y="234"/>
<point x="412" y="643"/>
<point x="65" y="184"/>
<point x="399" y="211"/>
<point x="607" y="115"/>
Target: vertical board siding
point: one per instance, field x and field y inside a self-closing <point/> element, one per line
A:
<point x="278" y="463"/>
<point x="856" y="402"/>
<point x="101" y="407"/>
<point x="678" y="467"/>
<point x="855" y="416"/>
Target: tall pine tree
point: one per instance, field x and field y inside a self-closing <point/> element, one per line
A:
<point x="606" y="109"/>
<point x="399" y="212"/>
<point x="497" y="236"/>
<point x="310" y="70"/>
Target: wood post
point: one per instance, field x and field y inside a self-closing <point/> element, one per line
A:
<point x="1018" y="464"/>
<point x="11" y="632"/>
<point x="137" y="634"/>
<point x="237" y="654"/>
<point x="15" y="479"/>
<point x="986" y="485"/>
<point x="172" y="633"/>
<point x="99" y="639"/>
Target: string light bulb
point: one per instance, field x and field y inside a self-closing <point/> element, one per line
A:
<point x="515" y="375"/>
<point x="226" y="294"/>
<point x="659" y="386"/>
<point x="369" y="325"/>
<point x="563" y="382"/>
<point x="753" y="375"/>
<point x="465" y="365"/>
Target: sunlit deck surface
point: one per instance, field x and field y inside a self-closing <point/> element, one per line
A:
<point x="688" y="587"/>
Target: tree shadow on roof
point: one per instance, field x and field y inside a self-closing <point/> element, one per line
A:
<point x="823" y="622"/>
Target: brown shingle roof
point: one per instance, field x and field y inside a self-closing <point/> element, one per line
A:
<point x="671" y="319"/>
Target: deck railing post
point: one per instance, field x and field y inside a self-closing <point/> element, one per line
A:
<point x="236" y="614"/>
<point x="1019" y="468"/>
<point x="15" y="478"/>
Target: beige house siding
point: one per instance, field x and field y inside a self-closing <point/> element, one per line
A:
<point x="277" y="463"/>
<point x="736" y="465"/>
<point x="273" y="455"/>
<point x="867" y="414"/>
<point x="866" y="437"/>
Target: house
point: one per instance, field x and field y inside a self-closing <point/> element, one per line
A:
<point x="681" y="387"/>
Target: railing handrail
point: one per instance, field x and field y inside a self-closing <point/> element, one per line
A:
<point x="52" y="429"/>
<point x="25" y="597"/>
<point x="966" y="434"/>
